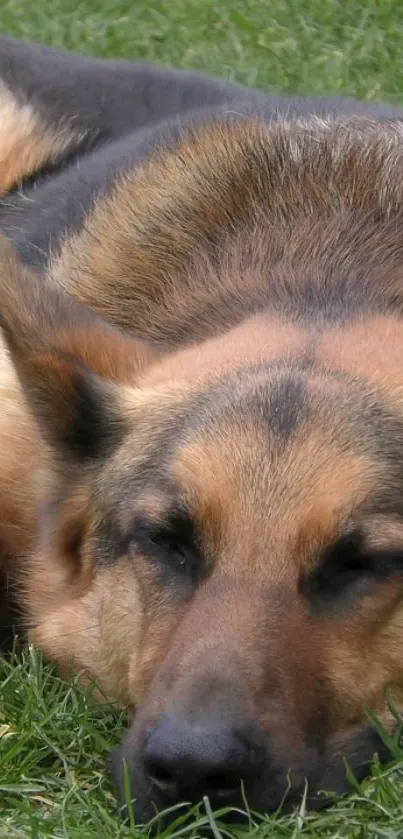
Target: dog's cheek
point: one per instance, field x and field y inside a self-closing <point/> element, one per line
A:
<point x="98" y="634"/>
<point x="69" y="636"/>
<point x="363" y="661"/>
<point x="118" y="601"/>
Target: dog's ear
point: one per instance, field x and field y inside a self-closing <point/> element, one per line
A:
<point x="71" y="363"/>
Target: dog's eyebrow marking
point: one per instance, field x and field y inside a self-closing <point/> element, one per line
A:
<point x="349" y="568"/>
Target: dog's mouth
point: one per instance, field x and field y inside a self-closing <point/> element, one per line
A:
<point x="149" y="791"/>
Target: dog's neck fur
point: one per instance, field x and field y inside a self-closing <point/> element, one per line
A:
<point x="303" y="219"/>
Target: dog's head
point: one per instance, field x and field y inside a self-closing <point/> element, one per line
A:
<point x="221" y="541"/>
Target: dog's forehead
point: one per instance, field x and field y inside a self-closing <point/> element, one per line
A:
<point x="265" y="461"/>
<point x="284" y="493"/>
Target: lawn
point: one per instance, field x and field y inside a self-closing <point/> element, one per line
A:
<point x="53" y="738"/>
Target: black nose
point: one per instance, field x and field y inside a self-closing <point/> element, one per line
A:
<point x="185" y="762"/>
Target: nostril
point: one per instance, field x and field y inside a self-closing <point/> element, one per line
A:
<point x="161" y="777"/>
<point x="221" y="783"/>
<point x="214" y="783"/>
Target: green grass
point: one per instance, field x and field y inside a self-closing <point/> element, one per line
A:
<point x="54" y="739"/>
<point x="54" y="743"/>
<point x="321" y="46"/>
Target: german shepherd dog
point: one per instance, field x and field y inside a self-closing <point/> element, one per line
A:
<point x="201" y="296"/>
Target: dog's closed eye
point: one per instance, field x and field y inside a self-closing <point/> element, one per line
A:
<point x="350" y="568"/>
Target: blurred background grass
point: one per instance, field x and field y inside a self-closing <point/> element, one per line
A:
<point x="316" y="46"/>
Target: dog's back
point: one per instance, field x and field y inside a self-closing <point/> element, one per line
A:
<point x="71" y="126"/>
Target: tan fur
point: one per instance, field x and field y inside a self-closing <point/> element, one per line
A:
<point x="27" y="144"/>
<point x="350" y="348"/>
<point x="20" y="457"/>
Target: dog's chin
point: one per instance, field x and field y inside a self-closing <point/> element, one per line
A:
<point x="150" y="809"/>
